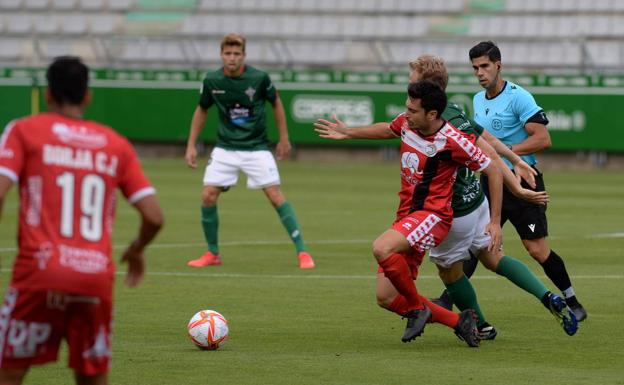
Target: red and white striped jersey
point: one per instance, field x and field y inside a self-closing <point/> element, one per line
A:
<point x="429" y="166"/>
<point x="68" y="171"/>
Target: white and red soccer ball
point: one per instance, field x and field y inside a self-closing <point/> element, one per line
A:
<point x="208" y="329"/>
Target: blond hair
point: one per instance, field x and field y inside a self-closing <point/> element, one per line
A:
<point x="431" y="68"/>
<point x="233" y="39"/>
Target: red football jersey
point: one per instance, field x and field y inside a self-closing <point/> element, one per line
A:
<point x="429" y="166"/>
<point x="68" y="172"/>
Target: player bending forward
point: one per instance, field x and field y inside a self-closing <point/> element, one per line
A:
<point x="431" y="152"/>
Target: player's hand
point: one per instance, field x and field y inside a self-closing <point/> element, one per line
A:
<point x="282" y="149"/>
<point x="526" y="172"/>
<point x="191" y="157"/>
<point x="496" y="235"/>
<point x="535" y="197"/>
<point x="136" y="265"/>
<point x="336" y="130"/>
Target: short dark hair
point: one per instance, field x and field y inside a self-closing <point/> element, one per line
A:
<point x="432" y="97"/>
<point x="485" y="48"/>
<point x="68" y="80"/>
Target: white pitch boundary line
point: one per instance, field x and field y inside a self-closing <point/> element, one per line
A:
<point x="319" y="242"/>
<point x="233" y="243"/>
<point x="325" y="276"/>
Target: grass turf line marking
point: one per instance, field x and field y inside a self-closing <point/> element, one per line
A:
<point x="321" y="242"/>
<point x="321" y="276"/>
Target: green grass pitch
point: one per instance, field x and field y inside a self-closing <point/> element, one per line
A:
<point x="322" y="326"/>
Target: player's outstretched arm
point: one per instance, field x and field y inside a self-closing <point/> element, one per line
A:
<point x="512" y="181"/>
<point x="338" y="130"/>
<point x="495" y="185"/>
<point x="5" y="185"/>
<point x="151" y="223"/>
<point x="197" y="124"/>
<point x="535" y="197"/>
<point x="522" y="170"/>
<point x="283" y="145"/>
<point x="494" y="172"/>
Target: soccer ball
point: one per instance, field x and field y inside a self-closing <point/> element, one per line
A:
<point x="208" y="329"/>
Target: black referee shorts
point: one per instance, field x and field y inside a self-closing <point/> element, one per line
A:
<point x="529" y="219"/>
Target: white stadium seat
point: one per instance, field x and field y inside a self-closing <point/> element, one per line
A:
<point x="11" y="5"/>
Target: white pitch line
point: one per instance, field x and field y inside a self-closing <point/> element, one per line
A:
<point x="254" y="243"/>
<point x="234" y="243"/>
<point x="285" y="242"/>
<point x="331" y="276"/>
<point x="324" y="276"/>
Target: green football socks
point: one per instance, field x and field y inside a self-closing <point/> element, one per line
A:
<point x="518" y="273"/>
<point x="289" y="220"/>
<point x="210" y="225"/>
<point x="465" y="297"/>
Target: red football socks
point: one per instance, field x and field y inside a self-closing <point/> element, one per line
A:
<point x="397" y="270"/>
<point x="440" y="314"/>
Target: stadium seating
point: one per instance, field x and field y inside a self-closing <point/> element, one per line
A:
<point x="571" y="35"/>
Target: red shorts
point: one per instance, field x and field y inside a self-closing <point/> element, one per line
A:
<point x="33" y="323"/>
<point x="423" y="230"/>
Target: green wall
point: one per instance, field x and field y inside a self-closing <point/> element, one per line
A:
<point x="158" y="105"/>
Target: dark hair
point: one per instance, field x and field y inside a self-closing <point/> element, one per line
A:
<point x="68" y="79"/>
<point x="485" y="48"/>
<point x="432" y="97"/>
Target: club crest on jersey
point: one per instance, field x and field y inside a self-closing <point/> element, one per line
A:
<point x="430" y="150"/>
<point x="497" y="124"/>
<point x="410" y="167"/>
<point x="79" y="136"/>
<point x="250" y="92"/>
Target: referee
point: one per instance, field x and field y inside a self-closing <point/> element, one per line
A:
<point x="510" y="113"/>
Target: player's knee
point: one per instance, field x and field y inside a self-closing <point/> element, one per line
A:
<point x="275" y="195"/>
<point x="489" y="259"/>
<point x="450" y="274"/>
<point x="537" y="252"/>
<point x="381" y="250"/>
<point x="490" y="263"/>
<point x="490" y="266"/>
<point x="384" y="301"/>
<point x="209" y="197"/>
